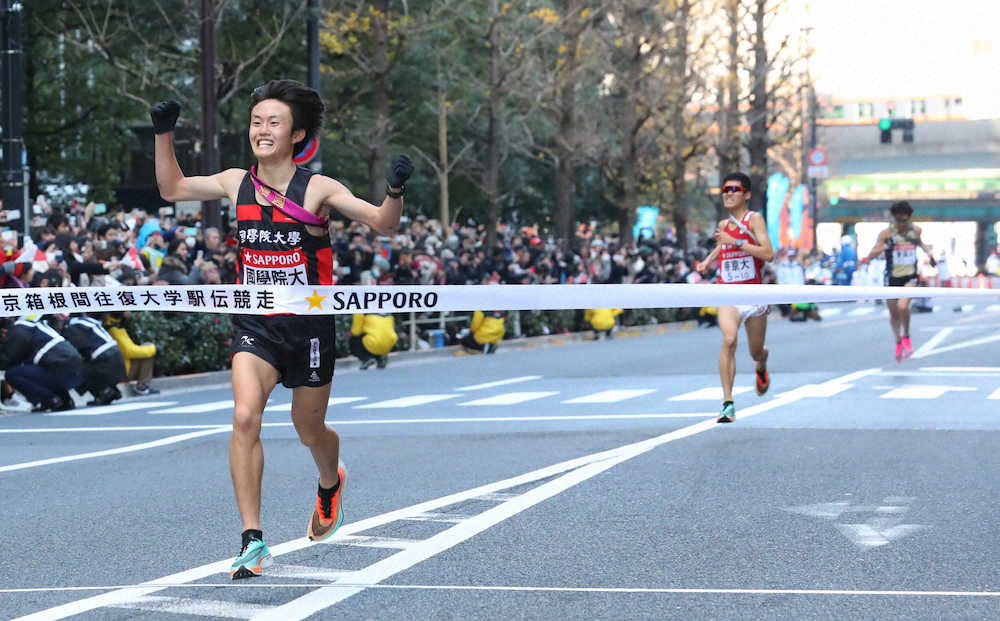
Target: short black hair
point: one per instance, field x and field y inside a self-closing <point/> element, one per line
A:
<point x="306" y="104"/>
<point x="902" y="208"/>
<point x="737" y="176"/>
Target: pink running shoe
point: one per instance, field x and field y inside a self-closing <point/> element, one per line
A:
<point x="907" y="347"/>
<point x="899" y="352"/>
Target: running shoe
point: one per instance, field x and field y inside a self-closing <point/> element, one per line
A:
<point x="328" y="516"/>
<point x="899" y="352"/>
<point x="728" y="414"/>
<point x="252" y="561"/>
<point x="907" y="347"/>
<point x="763" y="381"/>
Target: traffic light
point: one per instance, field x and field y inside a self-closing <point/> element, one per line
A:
<point x="886" y="125"/>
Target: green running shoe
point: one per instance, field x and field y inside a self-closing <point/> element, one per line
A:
<point x="728" y="413"/>
<point x="251" y="561"/>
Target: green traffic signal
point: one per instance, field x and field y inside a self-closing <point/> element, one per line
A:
<point x="885" y="124"/>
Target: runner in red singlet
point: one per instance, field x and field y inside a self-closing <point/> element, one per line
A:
<point x="284" y="239"/>
<point x="742" y="248"/>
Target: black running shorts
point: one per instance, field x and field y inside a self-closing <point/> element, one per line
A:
<point x="302" y="348"/>
<point x="900" y="281"/>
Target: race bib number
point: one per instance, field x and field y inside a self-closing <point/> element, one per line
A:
<point x="268" y="267"/>
<point x="738" y="270"/>
<point x="903" y="254"/>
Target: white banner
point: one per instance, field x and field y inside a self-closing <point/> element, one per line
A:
<point x="338" y="300"/>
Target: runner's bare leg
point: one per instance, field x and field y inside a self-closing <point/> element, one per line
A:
<point x="309" y="417"/>
<point x="729" y="323"/>
<point x="253" y="381"/>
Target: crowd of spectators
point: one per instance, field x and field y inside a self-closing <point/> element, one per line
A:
<point x="87" y="245"/>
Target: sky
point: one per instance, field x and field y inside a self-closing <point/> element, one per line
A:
<point x="912" y="48"/>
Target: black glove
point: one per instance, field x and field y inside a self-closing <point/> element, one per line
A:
<point x="164" y="115"/>
<point x="933" y="261"/>
<point x="399" y="171"/>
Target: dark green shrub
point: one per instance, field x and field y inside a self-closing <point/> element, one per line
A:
<point x="185" y="342"/>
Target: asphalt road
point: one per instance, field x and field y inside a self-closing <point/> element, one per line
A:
<point x="586" y="480"/>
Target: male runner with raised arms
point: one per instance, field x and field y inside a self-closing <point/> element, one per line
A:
<point x="899" y="242"/>
<point x="282" y="212"/>
<point x="742" y="248"/>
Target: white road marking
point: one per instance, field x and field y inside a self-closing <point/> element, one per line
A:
<point x="511" y="398"/>
<point x="830" y="312"/>
<point x="818" y="391"/>
<point x="612" y="396"/>
<point x="526" y="588"/>
<point x="861" y="312"/>
<point x="301" y="572"/>
<point x="513" y="380"/>
<point x="197" y="607"/>
<point x="578" y="469"/>
<point x="942" y="334"/>
<point x="406" y="402"/>
<point x="713" y="393"/>
<point x="961" y="369"/>
<point x="198" y="408"/>
<point x="287" y="407"/>
<point x="116" y="451"/>
<point x="993" y="308"/>
<point x="972" y="343"/>
<point x="130" y="406"/>
<point x="923" y="392"/>
<point x="377" y="421"/>
<point x="995" y="394"/>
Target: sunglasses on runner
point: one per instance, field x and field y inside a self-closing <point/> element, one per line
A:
<point x="730" y="189"/>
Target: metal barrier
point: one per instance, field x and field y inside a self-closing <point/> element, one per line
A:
<point x="444" y="317"/>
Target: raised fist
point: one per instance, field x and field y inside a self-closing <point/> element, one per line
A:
<point x="399" y="171"/>
<point x="164" y="115"/>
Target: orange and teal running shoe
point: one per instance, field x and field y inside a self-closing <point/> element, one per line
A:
<point x="252" y="561"/>
<point x="329" y="512"/>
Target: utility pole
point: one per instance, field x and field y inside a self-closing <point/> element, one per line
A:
<point x="313" y="80"/>
<point x="210" y="210"/>
<point x="15" y="167"/>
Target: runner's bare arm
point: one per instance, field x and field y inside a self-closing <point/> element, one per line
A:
<point x="174" y="186"/>
<point x="763" y="249"/>
<point x="704" y="264"/>
<point x="383" y="218"/>
<point x="926" y="248"/>
<point x="879" y="246"/>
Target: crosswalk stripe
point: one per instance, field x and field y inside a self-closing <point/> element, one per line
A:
<point x="713" y="393"/>
<point x="830" y="312"/>
<point x="993" y="308"/>
<point x="923" y="392"/>
<point x="861" y="312"/>
<point x="196" y="607"/>
<point x="995" y="394"/>
<point x="611" y="396"/>
<point x="406" y="402"/>
<point x="513" y="380"/>
<point x="198" y="408"/>
<point x="111" y="409"/>
<point x="511" y="398"/>
<point x="287" y="407"/>
<point x="302" y="572"/>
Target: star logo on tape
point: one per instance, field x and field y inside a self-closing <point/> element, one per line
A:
<point x="315" y="300"/>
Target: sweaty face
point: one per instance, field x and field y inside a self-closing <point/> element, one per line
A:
<point x="271" y="135"/>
